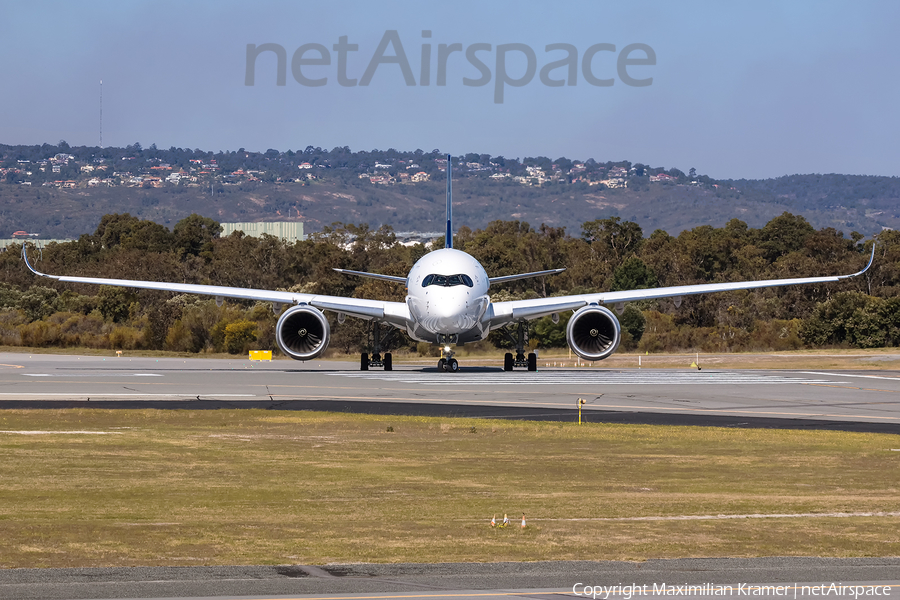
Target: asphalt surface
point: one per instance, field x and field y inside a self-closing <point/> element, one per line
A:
<point x="845" y="400"/>
<point x="435" y="581"/>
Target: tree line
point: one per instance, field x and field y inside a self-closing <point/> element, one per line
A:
<point x="607" y="254"/>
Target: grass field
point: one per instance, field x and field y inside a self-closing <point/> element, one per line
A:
<point x="263" y="487"/>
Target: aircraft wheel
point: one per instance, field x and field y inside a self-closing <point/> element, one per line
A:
<point x="364" y="362"/>
<point x="442" y="364"/>
<point x="532" y="361"/>
<point x="453" y="365"/>
<point x="388" y="362"/>
<point x="507" y="362"/>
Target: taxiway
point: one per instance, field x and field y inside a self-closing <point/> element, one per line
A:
<point x="848" y="400"/>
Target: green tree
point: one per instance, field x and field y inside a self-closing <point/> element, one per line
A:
<point x="614" y="238"/>
<point x="114" y="302"/>
<point x="194" y="234"/>
<point x="784" y="234"/>
<point x="633" y="321"/>
<point x="38" y="302"/>
<point x="130" y="232"/>
<point x="633" y="274"/>
<point x="549" y="334"/>
<point x="847" y="317"/>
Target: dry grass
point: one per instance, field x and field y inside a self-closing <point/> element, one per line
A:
<point x="257" y="487"/>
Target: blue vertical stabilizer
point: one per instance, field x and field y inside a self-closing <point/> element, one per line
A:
<point x="448" y="236"/>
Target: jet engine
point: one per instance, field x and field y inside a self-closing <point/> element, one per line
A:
<point x="593" y="332"/>
<point x="302" y="332"/>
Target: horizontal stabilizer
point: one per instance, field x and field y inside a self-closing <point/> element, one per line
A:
<point x="505" y="278"/>
<point x="373" y="275"/>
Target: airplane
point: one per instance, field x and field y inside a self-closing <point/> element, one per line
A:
<point x="447" y="303"/>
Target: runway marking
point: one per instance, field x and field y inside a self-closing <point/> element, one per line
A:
<point x="92" y="375"/>
<point x="853" y="387"/>
<point x="397" y="389"/>
<point x="579" y="378"/>
<point x="849" y="375"/>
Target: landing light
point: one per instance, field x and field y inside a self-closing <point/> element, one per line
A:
<point x="446" y="348"/>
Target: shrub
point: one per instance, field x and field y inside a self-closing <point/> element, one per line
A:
<point x="122" y="337"/>
<point x="239" y="335"/>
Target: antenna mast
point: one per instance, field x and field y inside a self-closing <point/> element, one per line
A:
<point x="101" y="113"/>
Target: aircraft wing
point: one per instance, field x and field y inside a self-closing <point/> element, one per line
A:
<point x="392" y="312"/>
<point x="523" y="310"/>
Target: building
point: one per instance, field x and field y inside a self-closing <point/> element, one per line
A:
<point x="289" y="231"/>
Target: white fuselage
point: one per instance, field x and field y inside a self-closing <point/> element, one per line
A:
<point x="447" y="297"/>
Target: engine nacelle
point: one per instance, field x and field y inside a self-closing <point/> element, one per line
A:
<point x="302" y="332"/>
<point x="593" y="332"/>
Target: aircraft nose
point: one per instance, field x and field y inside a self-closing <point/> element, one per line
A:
<point x="450" y="315"/>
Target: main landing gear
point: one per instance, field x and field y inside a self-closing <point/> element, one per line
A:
<point x="520" y="360"/>
<point x="376" y="359"/>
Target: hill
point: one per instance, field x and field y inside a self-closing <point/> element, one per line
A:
<point x="63" y="192"/>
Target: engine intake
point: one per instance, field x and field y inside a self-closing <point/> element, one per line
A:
<point x="593" y="333"/>
<point x="302" y="332"/>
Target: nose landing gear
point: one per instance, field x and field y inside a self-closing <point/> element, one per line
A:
<point x="447" y="362"/>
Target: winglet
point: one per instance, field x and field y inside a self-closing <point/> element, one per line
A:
<point x="448" y="237"/>
<point x="871" y="260"/>
<point x="28" y="264"/>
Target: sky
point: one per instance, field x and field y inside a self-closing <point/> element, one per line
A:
<point x="734" y="89"/>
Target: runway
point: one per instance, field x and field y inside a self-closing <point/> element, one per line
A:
<point x="461" y="581"/>
<point x="848" y="400"/>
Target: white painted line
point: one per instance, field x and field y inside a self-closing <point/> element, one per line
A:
<point x="580" y="378"/>
<point x="91" y="374"/>
<point x="849" y="375"/>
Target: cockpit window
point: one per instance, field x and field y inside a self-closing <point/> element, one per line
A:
<point x="448" y="280"/>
